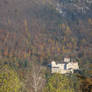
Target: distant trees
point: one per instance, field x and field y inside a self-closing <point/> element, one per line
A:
<point x="9" y="81"/>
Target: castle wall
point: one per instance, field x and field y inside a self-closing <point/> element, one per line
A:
<point x="63" y="68"/>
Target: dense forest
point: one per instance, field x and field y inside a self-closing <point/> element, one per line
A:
<point x="35" y="32"/>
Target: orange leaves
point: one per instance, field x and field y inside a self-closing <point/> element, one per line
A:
<point x="5" y="53"/>
<point x="90" y="21"/>
<point x="63" y="26"/>
<point x="58" y="50"/>
<point x="25" y="55"/>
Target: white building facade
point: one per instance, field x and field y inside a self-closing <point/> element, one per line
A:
<point x="63" y="68"/>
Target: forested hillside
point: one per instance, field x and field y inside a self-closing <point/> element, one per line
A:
<point x="35" y="32"/>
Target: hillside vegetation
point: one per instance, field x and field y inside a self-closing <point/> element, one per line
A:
<point x="33" y="31"/>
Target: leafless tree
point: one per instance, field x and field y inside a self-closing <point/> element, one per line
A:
<point x="35" y="79"/>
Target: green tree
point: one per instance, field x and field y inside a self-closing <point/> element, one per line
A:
<point x="9" y="81"/>
<point x="59" y="83"/>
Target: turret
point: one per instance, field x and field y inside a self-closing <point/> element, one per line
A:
<point x="66" y="59"/>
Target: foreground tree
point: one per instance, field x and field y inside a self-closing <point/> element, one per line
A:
<point x="35" y="79"/>
<point x="9" y="81"/>
<point x="86" y="83"/>
<point x="59" y="83"/>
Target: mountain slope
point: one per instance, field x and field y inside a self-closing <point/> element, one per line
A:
<point x="46" y="29"/>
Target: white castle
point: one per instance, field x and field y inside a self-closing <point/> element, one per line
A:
<point x="67" y="66"/>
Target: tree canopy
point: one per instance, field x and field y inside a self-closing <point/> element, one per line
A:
<point x="59" y="83"/>
<point x="9" y="81"/>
